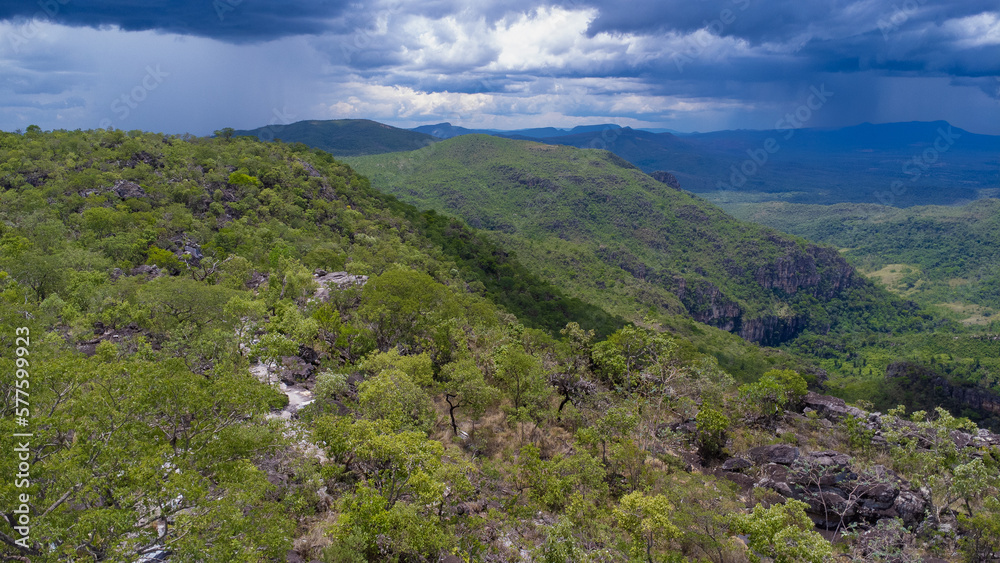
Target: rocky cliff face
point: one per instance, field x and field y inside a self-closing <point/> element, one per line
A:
<point x="706" y="303"/>
<point x="819" y="272"/>
<point x="917" y="376"/>
<point x="771" y="330"/>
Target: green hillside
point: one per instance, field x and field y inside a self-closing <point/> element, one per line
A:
<point x="612" y="235"/>
<point x="616" y="238"/>
<point x="343" y="137"/>
<point x="945" y="257"/>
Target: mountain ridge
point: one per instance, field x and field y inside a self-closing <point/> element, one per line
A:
<point x="658" y="235"/>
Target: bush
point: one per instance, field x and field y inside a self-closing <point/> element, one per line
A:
<point x="712" y="428"/>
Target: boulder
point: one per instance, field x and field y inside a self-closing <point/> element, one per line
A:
<point x="295" y="370"/>
<point x="910" y="506"/>
<point x="776" y="453"/>
<point x="831" y="407"/>
<point x="125" y="190"/>
<point x="736" y="464"/>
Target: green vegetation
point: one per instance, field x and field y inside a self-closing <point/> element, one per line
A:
<point x="162" y="284"/>
<point x="602" y="228"/>
<point x="943" y="257"/>
<point x="617" y="239"/>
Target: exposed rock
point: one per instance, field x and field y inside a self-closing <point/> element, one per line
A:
<point x="127" y="335"/>
<point x="926" y="377"/>
<point x="836" y="495"/>
<point x="771" y="330"/>
<point x="667" y="178"/>
<point x="736" y="464"/>
<point x="689" y="427"/>
<point x="782" y="454"/>
<point x="257" y="279"/>
<point x="295" y="370"/>
<point x="145" y="270"/>
<point x="125" y="190"/>
<point x="910" y="506"/>
<point x="705" y="302"/>
<point x="335" y="281"/>
<point x="831" y="407"/>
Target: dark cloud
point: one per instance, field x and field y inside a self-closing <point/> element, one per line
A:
<point x="651" y="61"/>
<point x="760" y="21"/>
<point x="236" y="21"/>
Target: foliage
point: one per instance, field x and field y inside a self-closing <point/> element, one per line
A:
<point x="712" y="426"/>
<point x="925" y="449"/>
<point x="646" y="521"/>
<point x="782" y="532"/>
<point x="152" y="388"/>
<point x="394" y="397"/>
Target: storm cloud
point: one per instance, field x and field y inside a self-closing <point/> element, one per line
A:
<point x="688" y="65"/>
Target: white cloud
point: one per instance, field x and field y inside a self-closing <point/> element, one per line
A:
<point x="976" y="31"/>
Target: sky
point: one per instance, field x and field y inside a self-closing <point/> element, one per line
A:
<point x="195" y="66"/>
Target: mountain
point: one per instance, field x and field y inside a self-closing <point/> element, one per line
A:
<point x="899" y="164"/>
<point x="344" y="137"/>
<point x="591" y="221"/>
<point x="447" y="131"/>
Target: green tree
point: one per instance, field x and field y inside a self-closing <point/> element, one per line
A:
<point x="400" y="305"/>
<point x="465" y="389"/>
<point x="392" y="396"/>
<point x="632" y="354"/>
<point x="927" y="453"/>
<point x="782" y="532"/>
<point x="520" y="376"/>
<point x="712" y="427"/>
<point x="646" y="519"/>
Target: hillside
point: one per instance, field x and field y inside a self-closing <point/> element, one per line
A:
<point x="343" y="137"/>
<point x="938" y="256"/>
<point x="592" y="221"/>
<point x="615" y="238"/>
<point x="239" y="351"/>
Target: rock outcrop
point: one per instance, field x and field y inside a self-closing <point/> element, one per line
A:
<point x="835" y="493"/>
<point x="911" y="374"/>
<point x="667" y="178"/>
<point x="335" y="281"/>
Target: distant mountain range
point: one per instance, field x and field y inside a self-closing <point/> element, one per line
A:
<point x="897" y="164"/>
<point x="447" y="131"/>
